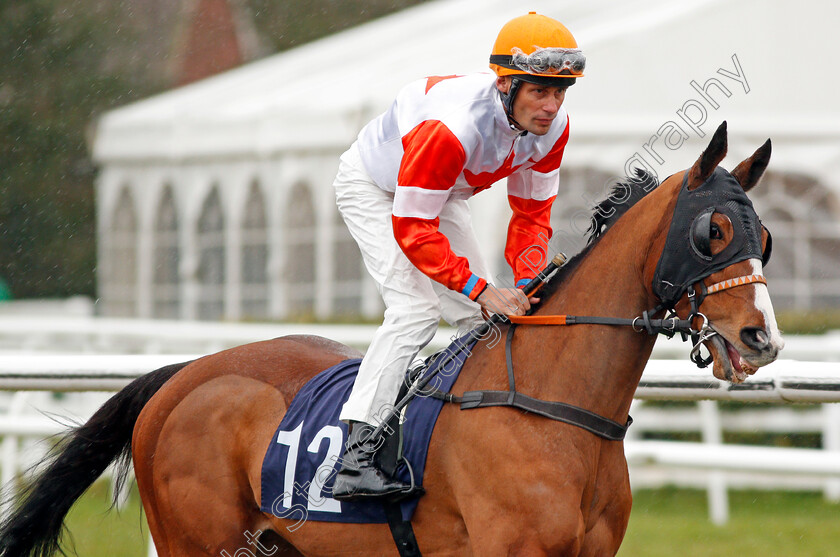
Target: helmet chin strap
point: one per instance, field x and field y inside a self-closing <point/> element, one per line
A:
<point x="507" y="102"/>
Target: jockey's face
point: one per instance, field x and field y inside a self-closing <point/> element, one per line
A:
<point x="535" y="106"/>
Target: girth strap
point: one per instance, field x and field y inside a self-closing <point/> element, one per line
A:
<point x="401" y="531"/>
<point x="562" y="412"/>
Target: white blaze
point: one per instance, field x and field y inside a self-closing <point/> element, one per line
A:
<point x="765" y="306"/>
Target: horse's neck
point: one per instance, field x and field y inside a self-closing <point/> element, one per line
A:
<point x="597" y="367"/>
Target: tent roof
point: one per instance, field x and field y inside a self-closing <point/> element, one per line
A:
<point x="642" y="56"/>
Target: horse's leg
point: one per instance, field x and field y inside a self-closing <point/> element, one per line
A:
<point x="197" y="458"/>
<point x="549" y="528"/>
<point x="611" y="503"/>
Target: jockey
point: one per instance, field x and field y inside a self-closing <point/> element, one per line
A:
<point x="402" y="189"/>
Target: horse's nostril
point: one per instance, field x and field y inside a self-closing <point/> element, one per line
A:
<point x="755" y="337"/>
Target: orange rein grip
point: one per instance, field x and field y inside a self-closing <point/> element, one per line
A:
<point x="537" y="319"/>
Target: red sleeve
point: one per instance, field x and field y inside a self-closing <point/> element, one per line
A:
<point x="529" y="230"/>
<point x="528" y="234"/>
<point x="433" y="159"/>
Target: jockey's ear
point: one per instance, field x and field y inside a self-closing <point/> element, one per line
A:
<point x="708" y="161"/>
<point x="749" y="172"/>
<point x="503" y="83"/>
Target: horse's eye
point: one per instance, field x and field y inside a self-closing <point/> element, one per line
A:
<point x="715" y="232"/>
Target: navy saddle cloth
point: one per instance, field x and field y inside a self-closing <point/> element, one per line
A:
<point x="300" y="465"/>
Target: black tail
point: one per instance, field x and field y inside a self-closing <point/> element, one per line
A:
<point x="34" y="529"/>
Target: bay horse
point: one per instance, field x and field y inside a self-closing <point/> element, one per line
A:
<point x="498" y="481"/>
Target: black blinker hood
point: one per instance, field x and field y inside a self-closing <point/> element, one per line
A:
<point x="681" y="264"/>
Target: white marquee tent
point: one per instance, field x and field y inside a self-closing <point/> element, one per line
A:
<point x="201" y="185"/>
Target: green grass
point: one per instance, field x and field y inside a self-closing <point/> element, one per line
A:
<point x="674" y="522"/>
<point x="813" y="322"/>
<point x="665" y="522"/>
<point x="100" y="532"/>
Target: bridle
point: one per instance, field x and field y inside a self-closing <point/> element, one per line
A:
<point x="698" y="337"/>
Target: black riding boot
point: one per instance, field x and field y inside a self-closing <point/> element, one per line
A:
<point x="359" y="476"/>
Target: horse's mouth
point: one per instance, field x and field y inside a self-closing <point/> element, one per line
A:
<point x="729" y="364"/>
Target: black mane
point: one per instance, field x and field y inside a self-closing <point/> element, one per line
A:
<point x="623" y="196"/>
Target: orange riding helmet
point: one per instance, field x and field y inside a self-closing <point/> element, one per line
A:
<point x="537" y="49"/>
<point x="534" y="45"/>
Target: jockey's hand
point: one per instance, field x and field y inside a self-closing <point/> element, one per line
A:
<point x="504" y="301"/>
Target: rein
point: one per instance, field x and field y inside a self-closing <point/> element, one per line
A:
<point x="667" y="326"/>
<point x="643" y="322"/>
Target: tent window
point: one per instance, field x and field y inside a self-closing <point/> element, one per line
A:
<point x="211" y="262"/>
<point x="120" y="283"/>
<point x="255" y="257"/>
<point x="166" y="259"/>
<point x="300" y="252"/>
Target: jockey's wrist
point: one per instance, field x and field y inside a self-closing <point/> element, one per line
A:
<point x="474" y="287"/>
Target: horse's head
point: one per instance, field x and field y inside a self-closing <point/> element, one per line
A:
<point x="711" y="266"/>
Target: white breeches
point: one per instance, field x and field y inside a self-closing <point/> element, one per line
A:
<point x="414" y="303"/>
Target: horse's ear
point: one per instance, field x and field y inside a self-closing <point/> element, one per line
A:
<point x="750" y="170"/>
<point x="710" y="158"/>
